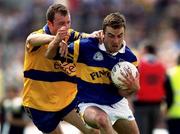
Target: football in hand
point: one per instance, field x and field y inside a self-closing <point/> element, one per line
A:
<point x="118" y="69"/>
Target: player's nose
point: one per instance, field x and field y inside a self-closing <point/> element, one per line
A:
<point x="116" y="41"/>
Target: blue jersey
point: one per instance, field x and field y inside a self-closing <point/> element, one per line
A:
<point x="93" y="67"/>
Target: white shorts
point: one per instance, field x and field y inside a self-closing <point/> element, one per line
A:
<point x="119" y="110"/>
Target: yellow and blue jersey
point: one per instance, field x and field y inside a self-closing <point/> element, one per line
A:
<point x="48" y="84"/>
<point x="93" y="67"/>
<point x="74" y="35"/>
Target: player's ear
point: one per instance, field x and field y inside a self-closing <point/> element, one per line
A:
<point x="49" y="23"/>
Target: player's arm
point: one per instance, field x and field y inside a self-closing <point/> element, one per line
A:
<point x="96" y="34"/>
<point x="37" y="39"/>
<point x="53" y="47"/>
<point x="63" y="50"/>
<point x="73" y="51"/>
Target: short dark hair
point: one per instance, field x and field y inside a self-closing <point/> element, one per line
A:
<point x="114" y="20"/>
<point x="56" y="8"/>
<point x="150" y="48"/>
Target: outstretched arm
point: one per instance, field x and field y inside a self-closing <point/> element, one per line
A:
<point x="97" y="34"/>
<point x="37" y="39"/>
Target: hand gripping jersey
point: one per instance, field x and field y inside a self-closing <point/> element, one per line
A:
<point x="93" y="68"/>
<point x="48" y="84"/>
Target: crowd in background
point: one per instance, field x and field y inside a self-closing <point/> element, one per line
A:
<point x="155" y="20"/>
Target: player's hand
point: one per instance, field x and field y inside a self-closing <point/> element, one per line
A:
<point x="63" y="36"/>
<point x="99" y="35"/>
<point x="63" y="33"/>
<point x="130" y="83"/>
<point x="57" y="38"/>
<point x="63" y="50"/>
<point x="93" y="131"/>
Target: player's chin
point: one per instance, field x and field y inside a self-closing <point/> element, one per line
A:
<point x="114" y="49"/>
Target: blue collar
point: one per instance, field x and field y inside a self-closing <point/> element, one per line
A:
<point x="46" y="29"/>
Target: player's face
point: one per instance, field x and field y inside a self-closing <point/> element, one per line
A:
<point x="59" y="22"/>
<point x="113" y="39"/>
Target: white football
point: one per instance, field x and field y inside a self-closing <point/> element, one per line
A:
<point x="121" y="67"/>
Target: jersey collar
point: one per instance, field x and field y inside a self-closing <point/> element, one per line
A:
<point x="122" y="50"/>
<point x="46" y="29"/>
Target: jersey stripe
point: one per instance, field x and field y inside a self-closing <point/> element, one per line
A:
<point x="48" y="76"/>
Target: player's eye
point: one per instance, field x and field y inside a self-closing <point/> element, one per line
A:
<point x="61" y="23"/>
<point x="68" y="22"/>
<point x="110" y="35"/>
<point x="120" y="36"/>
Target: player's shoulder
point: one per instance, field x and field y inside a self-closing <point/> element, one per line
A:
<point x="39" y="31"/>
<point x="70" y="30"/>
<point x="129" y="51"/>
<point x="130" y="56"/>
<point x="89" y="41"/>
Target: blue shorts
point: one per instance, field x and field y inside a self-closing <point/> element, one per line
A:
<point x="48" y="121"/>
